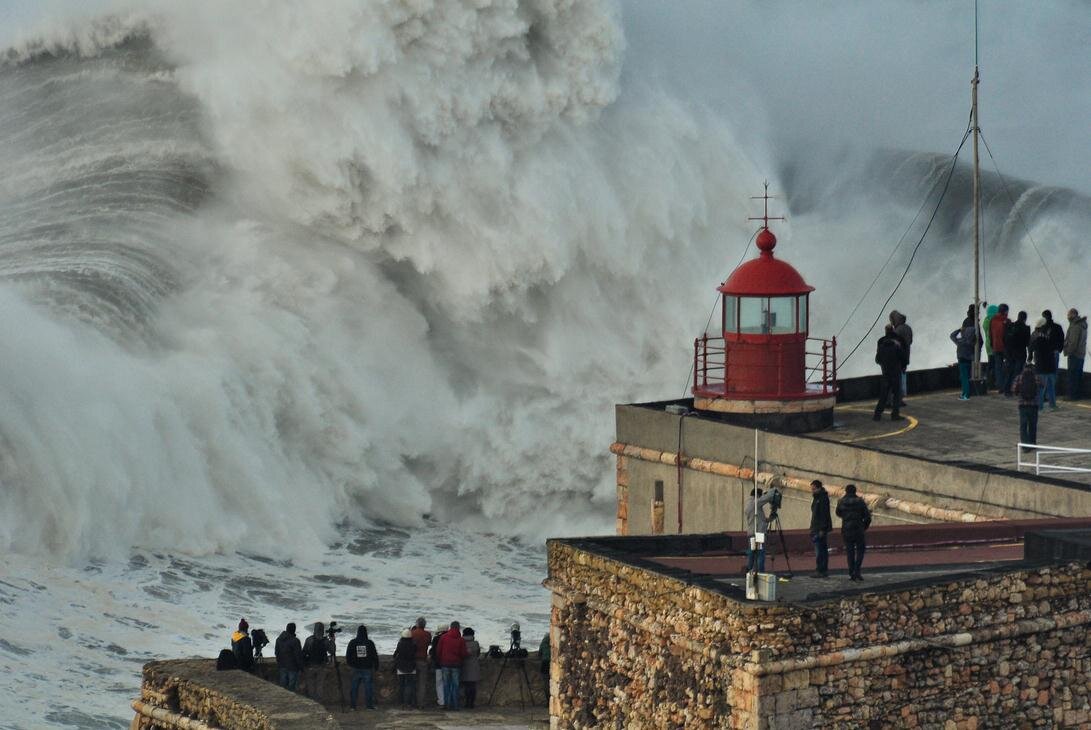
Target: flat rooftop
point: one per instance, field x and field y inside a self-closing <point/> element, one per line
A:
<point x="897" y="556"/>
<point x="979" y="433"/>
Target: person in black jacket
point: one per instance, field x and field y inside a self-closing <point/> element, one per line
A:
<point x="855" y="519"/>
<point x="891" y="357"/>
<point x="1056" y="337"/>
<point x="821" y="525"/>
<point x="289" y="653"/>
<point x="405" y="666"/>
<point x="364" y="660"/>
<point x="1016" y="342"/>
<point x="1045" y="362"/>
<point x="242" y="647"/>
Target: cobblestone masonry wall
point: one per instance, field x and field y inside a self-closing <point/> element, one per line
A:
<point x="637" y="649"/>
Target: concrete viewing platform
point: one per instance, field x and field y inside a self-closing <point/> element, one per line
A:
<point x="980" y="433"/>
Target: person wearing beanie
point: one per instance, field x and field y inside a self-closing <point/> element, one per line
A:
<point x="422" y="639"/>
<point x="471" y="668"/>
<point x="1045" y="363"/>
<point x="405" y="667"/>
<point x="242" y="647"/>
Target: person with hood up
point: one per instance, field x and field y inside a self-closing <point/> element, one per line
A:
<point x="986" y="330"/>
<point x="471" y="668"/>
<point x="905" y="332"/>
<point x="435" y="662"/>
<point x="1045" y="363"/>
<point x="289" y="653"/>
<point x="855" y="519"/>
<point x="316" y="652"/>
<point x="451" y="651"/>
<point x="1016" y="342"/>
<point x="422" y="639"/>
<point x="891" y="358"/>
<point x="242" y="647"/>
<point x="364" y="660"/>
<point x="405" y="667"/>
<point x="998" y="326"/>
<point x="1075" y="348"/>
<point x="821" y="525"/>
<point x="964" y="352"/>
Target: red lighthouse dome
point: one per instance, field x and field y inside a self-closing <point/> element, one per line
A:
<point x="765" y="370"/>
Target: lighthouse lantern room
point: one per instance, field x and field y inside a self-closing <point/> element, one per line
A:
<point x="765" y="370"/>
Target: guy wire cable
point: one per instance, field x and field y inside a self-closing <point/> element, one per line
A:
<point x="943" y="194"/>
<point x="716" y="301"/>
<point x="897" y="246"/>
<point x="1026" y="228"/>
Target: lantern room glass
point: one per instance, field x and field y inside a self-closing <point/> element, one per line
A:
<point x="768" y="315"/>
<point x="730" y="313"/>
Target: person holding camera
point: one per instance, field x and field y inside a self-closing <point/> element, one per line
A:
<point x="855" y="519"/>
<point x="821" y="525"/>
<point x="316" y="652"/>
<point x="364" y="660"/>
<point x="451" y="651"/>
<point x="757" y="522"/>
<point x="289" y="653"/>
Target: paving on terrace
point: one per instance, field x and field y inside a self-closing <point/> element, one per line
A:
<point x="495" y="718"/>
<point x="898" y="556"/>
<point x="979" y="433"/>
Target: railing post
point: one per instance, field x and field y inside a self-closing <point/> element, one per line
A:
<point x="704" y="358"/>
<point x="833" y="368"/>
<point x="825" y="366"/>
<point x="696" y="345"/>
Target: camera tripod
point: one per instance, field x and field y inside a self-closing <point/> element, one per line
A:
<point x="774" y="525"/>
<point x="511" y="654"/>
<point x="337" y="673"/>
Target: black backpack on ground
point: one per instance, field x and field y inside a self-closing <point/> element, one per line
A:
<point x="226" y="660"/>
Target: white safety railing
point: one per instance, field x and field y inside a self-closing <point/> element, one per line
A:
<point x="1051" y="468"/>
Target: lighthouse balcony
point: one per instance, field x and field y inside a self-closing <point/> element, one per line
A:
<point x="759" y="368"/>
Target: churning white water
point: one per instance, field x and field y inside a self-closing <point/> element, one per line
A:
<point x="322" y="312"/>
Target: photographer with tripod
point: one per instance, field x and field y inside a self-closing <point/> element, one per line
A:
<point x="757" y="523"/>
<point x="317" y="650"/>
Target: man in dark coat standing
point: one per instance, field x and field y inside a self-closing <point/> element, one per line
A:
<point x="891" y="357"/>
<point x="821" y="525"/>
<point x="289" y="654"/>
<point x="364" y="660"/>
<point x="855" y="519"/>
<point x="1016" y="341"/>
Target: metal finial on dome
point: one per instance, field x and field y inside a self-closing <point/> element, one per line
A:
<point x="766" y="240"/>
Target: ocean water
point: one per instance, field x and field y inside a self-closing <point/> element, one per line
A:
<point x="313" y="313"/>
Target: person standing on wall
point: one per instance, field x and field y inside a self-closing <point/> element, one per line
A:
<point x="1075" y="347"/>
<point x="451" y="651"/>
<point x="289" y="653"/>
<point x="890" y="356"/>
<point x="1045" y="363"/>
<point x="905" y="332"/>
<point x="242" y="647"/>
<point x="756" y="521"/>
<point x="855" y="520"/>
<point x="422" y="639"/>
<point x="821" y="525"/>
<point x="998" y="325"/>
<point x="1016" y="341"/>
<point x="1027" y="385"/>
<point x="364" y="660"/>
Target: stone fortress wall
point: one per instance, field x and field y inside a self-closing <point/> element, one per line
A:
<point x="189" y="694"/>
<point x="640" y="648"/>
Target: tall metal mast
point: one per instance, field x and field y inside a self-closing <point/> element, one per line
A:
<point x="976" y="368"/>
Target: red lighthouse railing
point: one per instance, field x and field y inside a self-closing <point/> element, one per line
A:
<point x="717" y="373"/>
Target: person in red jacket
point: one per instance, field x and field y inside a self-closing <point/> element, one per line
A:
<point x="998" y="326"/>
<point x="450" y="652"/>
